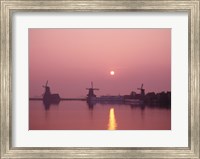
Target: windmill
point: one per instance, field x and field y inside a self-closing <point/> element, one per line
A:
<point x="49" y="98"/>
<point x="47" y="89"/>
<point x="91" y="91"/>
<point x="142" y="90"/>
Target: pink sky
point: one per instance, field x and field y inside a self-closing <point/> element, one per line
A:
<point x="71" y="58"/>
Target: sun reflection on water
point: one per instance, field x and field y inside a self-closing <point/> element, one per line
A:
<point x="112" y="125"/>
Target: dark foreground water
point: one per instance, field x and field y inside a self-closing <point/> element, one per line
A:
<point x="78" y="115"/>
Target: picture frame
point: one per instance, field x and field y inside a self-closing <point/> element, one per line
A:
<point x="9" y="7"/>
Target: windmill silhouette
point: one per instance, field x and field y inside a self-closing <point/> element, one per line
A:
<point x="91" y="91"/>
<point x="142" y="91"/>
<point x="49" y="98"/>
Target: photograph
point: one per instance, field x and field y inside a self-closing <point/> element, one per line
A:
<point x="99" y="78"/>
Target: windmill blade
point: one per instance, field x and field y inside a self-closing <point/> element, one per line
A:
<point x="46" y="82"/>
<point x="142" y="86"/>
<point x="95" y="88"/>
<point x="91" y="84"/>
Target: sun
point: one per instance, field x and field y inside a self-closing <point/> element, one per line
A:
<point x="112" y="73"/>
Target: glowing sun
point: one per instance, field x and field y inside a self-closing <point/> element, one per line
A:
<point x="112" y="73"/>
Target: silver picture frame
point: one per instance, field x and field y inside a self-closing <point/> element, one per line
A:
<point x="8" y="7"/>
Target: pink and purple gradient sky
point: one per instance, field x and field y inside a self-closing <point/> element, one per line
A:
<point x="71" y="58"/>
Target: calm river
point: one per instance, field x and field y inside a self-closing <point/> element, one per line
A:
<point x="78" y="115"/>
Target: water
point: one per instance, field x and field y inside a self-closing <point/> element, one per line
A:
<point x="77" y="115"/>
